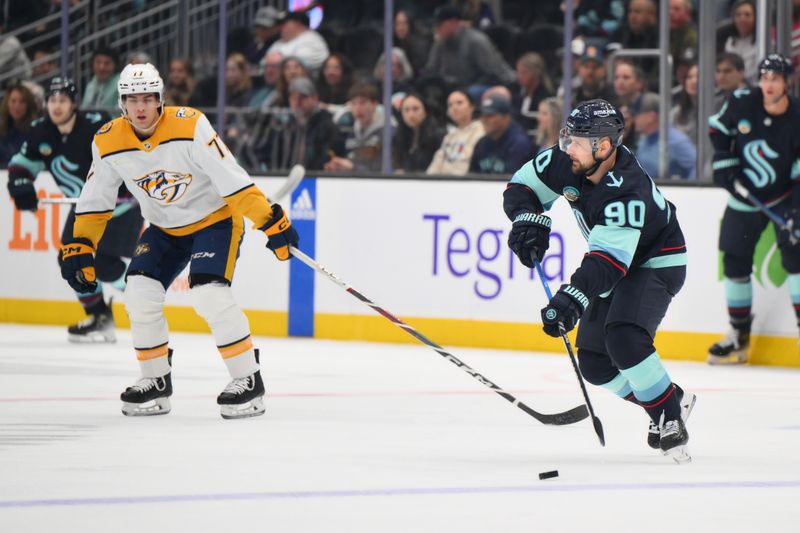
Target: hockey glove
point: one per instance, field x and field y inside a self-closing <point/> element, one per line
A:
<point x="566" y="307"/>
<point x="793" y="224"/>
<point x="77" y="265"/>
<point x="726" y="172"/>
<point x="23" y="193"/>
<point x="280" y="233"/>
<point x="530" y="235"/>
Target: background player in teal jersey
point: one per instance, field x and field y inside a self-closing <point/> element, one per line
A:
<point x="756" y="143"/>
<point x="635" y="264"/>
<point x="61" y="143"/>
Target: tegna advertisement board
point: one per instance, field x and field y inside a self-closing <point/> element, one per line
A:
<point x="432" y="252"/>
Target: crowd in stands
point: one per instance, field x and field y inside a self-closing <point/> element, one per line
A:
<point x="469" y="94"/>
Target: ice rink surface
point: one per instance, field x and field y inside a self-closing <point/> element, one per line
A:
<point x="378" y="438"/>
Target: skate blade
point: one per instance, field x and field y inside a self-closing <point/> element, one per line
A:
<point x="679" y="454"/>
<point x="687" y="404"/>
<point x="254" y="407"/>
<point x="92" y="338"/>
<point x="731" y="359"/>
<point x="159" y="406"/>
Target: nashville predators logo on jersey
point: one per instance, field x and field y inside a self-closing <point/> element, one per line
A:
<point x="165" y="186"/>
<point x="185" y="113"/>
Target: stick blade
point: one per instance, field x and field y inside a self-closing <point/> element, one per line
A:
<point x="574" y="415"/>
<point x="598" y="428"/>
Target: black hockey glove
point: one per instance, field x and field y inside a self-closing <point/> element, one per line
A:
<point x="23" y="193"/>
<point x="726" y="172"/>
<point x="530" y="235"/>
<point x="280" y="233"/>
<point x="793" y="224"/>
<point x="566" y="307"/>
<point x="77" y="265"/>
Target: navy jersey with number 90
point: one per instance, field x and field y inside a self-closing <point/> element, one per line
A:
<point x="626" y="220"/>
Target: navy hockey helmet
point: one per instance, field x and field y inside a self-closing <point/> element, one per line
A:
<point x="594" y="119"/>
<point x="776" y="63"/>
<point x="65" y="86"/>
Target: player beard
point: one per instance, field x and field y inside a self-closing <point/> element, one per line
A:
<point x="579" y="169"/>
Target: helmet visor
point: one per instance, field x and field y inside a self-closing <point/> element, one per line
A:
<point x="566" y="139"/>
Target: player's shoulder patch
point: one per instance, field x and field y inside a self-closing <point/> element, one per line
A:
<point x="105" y="128"/>
<point x="744" y="126"/>
<point x="178" y="123"/>
<point x="114" y="136"/>
<point x="186" y="112"/>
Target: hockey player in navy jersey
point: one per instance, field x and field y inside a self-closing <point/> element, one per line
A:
<point x="756" y="142"/>
<point x="636" y="263"/>
<point x="61" y="142"/>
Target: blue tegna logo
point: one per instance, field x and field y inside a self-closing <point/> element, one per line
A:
<point x="484" y="256"/>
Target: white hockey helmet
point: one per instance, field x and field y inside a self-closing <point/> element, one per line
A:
<point x="139" y="79"/>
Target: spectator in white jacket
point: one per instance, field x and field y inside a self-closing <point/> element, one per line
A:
<point x="13" y="57"/>
<point x="299" y="41"/>
<point x="453" y="157"/>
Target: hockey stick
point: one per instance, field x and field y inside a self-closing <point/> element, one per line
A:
<point x="598" y="426"/>
<point x="559" y="419"/>
<point x="296" y="175"/>
<point x="68" y="201"/>
<point x="794" y="235"/>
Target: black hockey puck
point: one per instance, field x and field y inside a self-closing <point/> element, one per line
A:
<point x="548" y="475"/>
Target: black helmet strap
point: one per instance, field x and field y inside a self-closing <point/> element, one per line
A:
<point x="597" y="161"/>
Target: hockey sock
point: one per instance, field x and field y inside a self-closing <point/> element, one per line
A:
<point x="666" y="403"/>
<point x="93" y="302"/>
<point x="619" y="386"/>
<point x="739" y="295"/>
<point x="215" y="303"/>
<point x="144" y="301"/>
<point x="653" y="388"/>
<point x="794" y="290"/>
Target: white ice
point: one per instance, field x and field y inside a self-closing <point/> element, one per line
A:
<point x="378" y="438"/>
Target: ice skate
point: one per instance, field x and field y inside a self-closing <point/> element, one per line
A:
<point x="732" y="350"/>
<point x="95" y="328"/>
<point x="687" y="402"/>
<point x="243" y="397"/>
<point x="674" y="440"/>
<point x="148" y="397"/>
<point x="654" y="436"/>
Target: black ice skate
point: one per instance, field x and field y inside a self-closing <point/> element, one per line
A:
<point x="687" y="402"/>
<point x="732" y="350"/>
<point x="149" y="396"/>
<point x="674" y="440"/>
<point x="98" y="327"/>
<point x="243" y="397"/>
<point x="654" y="436"/>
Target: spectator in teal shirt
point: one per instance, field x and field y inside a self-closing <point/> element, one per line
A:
<point x="101" y="91"/>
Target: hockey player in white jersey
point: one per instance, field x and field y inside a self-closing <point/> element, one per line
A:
<point x="193" y="193"/>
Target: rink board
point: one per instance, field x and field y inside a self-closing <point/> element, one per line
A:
<point x="432" y="252"/>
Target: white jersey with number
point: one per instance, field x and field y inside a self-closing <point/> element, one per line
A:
<point x="183" y="175"/>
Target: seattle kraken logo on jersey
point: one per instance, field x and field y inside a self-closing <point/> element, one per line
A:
<point x="165" y="186"/>
<point x="63" y="171"/>
<point x="759" y="170"/>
